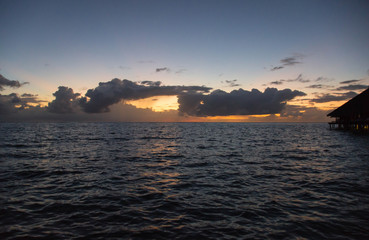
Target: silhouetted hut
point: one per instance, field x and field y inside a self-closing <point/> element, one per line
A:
<point x="352" y="115"/>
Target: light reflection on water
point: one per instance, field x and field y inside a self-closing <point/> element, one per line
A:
<point x="183" y="180"/>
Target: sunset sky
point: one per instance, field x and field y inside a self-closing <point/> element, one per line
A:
<point x="258" y="60"/>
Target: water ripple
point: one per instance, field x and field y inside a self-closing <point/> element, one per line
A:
<point x="182" y="181"/>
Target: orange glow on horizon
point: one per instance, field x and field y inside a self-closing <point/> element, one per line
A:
<point x="156" y="104"/>
<point x="231" y="118"/>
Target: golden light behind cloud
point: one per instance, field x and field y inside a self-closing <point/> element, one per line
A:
<point x="157" y="104"/>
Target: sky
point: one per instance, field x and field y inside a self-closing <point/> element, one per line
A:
<point x="247" y="61"/>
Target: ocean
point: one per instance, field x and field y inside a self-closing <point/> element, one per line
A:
<point x="182" y="181"/>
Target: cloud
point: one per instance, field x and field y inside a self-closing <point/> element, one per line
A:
<point x="28" y="95"/>
<point x="298" y="79"/>
<point x="162" y="69"/>
<point x="320" y="79"/>
<point x="182" y="70"/>
<point x="232" y="83"/>
<point x="120" y="112"/>
<point x="337" y="97"/>
<point x="324" y="79"/>
<point x="8" y="103"/>
<point x="166" y="69"/>
<point x="151" y="83"/>
<point x="292" y="111"/>
<point x="318" y="86"/>
<point x="349" y="81"/>
<point x="30" y="98"/>
<point x="278" y="82"/>
<point x="13" y="102"/>
<point x="353" y="87"/>
<point x="276" y="68"/>
<point x="4" y="82"/>
<point x="107" y="93"/>
<point x="65" y="101"/>
<point x="237" y="102"/>
<point x="304" y="114"/>
<point x="288" y="61"/>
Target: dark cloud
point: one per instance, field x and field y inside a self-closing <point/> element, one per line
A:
<point x="349" y="81"/>
<point x="108" y="93"/>
<point x="324" y="79"/>
<point x="30" y="98"/>
<point x="298" y="79"/>
<point x="120" y="112"/>
<point x="65" y="101"/>
<point x="8" y="103"/>
<point x="162" y="69"/>
<point x="336" y="97"/>
<point x="292" y="111"/>
<point x="4" y="82"/>
<point x="232" y="83"/>
<point x="237" y="102"/>
<point x="288" y="61"/>
<point x="279" y="82"/>
<point x="304" y="114"/>
<point x="353" y="87"/>
<point x="318" y="86"/>
<point x="321" y="79"/>
<point x="151" y="83"/>
<point x="13" y="102"/>
<point x="28" y="95"/>
<point x="276" y="68"/>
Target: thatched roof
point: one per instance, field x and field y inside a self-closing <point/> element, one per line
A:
<point x="358" y="105"/>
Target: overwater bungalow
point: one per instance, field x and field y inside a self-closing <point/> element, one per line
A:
<point x="353" y="115"/>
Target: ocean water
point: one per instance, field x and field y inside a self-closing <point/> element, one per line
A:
<point x="182" y="181"/>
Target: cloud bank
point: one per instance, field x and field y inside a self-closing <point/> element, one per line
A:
<point x="13" y="103"/>
<point x="237" y="102"/>
<point x="195" y="101"/>
<point x="106" y="94"/>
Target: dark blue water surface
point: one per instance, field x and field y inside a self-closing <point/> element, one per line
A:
<point x="182" y="181"/>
